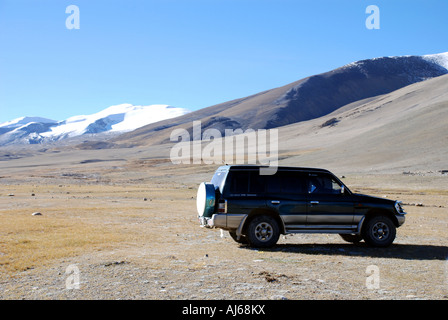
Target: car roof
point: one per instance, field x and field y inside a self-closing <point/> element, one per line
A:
<point x="279" y="168"/>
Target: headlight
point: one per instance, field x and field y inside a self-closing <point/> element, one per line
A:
<point x="399" y="208"/>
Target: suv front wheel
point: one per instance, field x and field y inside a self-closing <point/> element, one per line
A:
<point x="263" y="232"/>
<point x="352" y="238"/>
<point x="379" y="231"/>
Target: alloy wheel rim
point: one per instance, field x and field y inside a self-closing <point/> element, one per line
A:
<point x="263" y="231"/>
<point x="380" y="231"/>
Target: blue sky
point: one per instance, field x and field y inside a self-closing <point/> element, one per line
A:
<point x="191" y="53"/>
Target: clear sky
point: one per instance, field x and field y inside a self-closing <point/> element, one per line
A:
<point x="191" y="53"/>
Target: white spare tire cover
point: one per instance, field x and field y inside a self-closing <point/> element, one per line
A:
<point x="205" y="200"/>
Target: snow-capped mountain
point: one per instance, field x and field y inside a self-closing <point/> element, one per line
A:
<point x="115" y="119"/>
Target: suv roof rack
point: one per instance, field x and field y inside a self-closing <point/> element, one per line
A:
<point x="280" y="168"/>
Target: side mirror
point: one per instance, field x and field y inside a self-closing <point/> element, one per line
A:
<point x="343" y="190"/>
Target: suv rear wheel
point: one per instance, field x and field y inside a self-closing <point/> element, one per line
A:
<point x="379" y="231"/>
<point x="263" y="232"/>
<point x="242" y="239"/>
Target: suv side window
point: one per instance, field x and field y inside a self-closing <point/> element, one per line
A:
<point x="286" y="182"/>
<point x="239" y="182"/>
<point x="244" y="182"/>
<point x="323" y="184"/>
<point x="251" y="182"/>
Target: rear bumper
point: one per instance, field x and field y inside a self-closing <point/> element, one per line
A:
<point x="216" y="221"/>
<point x="223" y="221"/>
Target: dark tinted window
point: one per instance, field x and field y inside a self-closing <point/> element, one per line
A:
<point x="239" y="182"/>
<point x="243" y="182"/>
<point x="286" y="182"/>
<point x="246" y="182"/>
<point x="257" y="182"/>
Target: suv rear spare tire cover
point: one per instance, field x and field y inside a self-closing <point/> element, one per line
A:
<point x="205" y="200"/>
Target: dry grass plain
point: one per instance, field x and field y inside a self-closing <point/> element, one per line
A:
<point x="130" y="231"/>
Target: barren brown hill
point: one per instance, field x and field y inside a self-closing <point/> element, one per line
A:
<point x="405" y="130"/>
<point x="299" y="101"/>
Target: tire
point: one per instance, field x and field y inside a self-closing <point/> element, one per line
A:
<point x="352" y="238"/>
<point x="263" y="232"/>
<point x="205" y="200"/>
<point x="379" y="231"/>
<point x="243" y="239"/>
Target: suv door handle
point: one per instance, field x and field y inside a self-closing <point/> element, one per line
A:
<point x="314" y="202"/>
<point x="275" y="202"/>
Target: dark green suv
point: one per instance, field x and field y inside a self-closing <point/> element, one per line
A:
<point x="257" y="208"/>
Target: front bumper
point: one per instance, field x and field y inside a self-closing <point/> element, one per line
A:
<point x="400" y="213"/>
<point x="401" y="218"/>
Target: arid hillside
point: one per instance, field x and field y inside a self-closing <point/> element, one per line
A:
<point x="302" y="100"/>
<point x="405" y="130"/>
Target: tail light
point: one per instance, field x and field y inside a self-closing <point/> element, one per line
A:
<point x="222" y="206"/>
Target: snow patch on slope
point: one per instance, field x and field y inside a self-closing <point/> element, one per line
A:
<point x="16" y="123"/>
<point x="441" y="59"/>
<point x="119" y="118"/>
